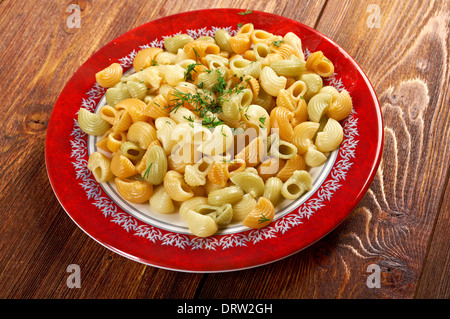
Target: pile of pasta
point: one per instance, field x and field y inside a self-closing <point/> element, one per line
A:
<point x="219" y="129"/>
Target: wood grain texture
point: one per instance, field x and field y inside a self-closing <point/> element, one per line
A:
<point x="401" y="224"/>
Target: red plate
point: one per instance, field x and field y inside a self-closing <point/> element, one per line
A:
<point x="338" y="186"/>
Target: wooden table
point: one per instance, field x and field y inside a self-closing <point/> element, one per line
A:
<point x="401" y="225"/>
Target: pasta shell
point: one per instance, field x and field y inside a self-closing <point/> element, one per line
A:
<point x="303" y="135"/>
<point x="261" y="215"/>
<point x="145" y="57"/>
<point x="108" y="113"/>
<point x="198" y="49"/>
<point x="134" y="107"/>
<point x="330" y="137"/>
<point x="249" y="182"/>
<point x="280" y="120"/>
<point x="109" y="76"/>
<point x="115" y="140"/>
<point x="270" y="167"/>
<point x="161" y="201"/>
<point x="253" y="153"/>
<point x="158" y="107"/>
<point x="92" y="123"/>
<point x="201" y="225"/>
<point x="272" y="190"/>
<point x="176" y="187"/>
<point x="142" y="133"/>
<point x="340" y="107"/>
<point x="99" y="164"/>
<point x="293" y="164"/>
<point x="296" y="185"/>
<point x="240" y="43"/>
<point x="192" y="204"/>
<point x="134" y="191"/>
<point x="242" y="208"/>
<point x="318" y="63"/>
<point x="226" y="195"/>
<point x="121" y="166"/>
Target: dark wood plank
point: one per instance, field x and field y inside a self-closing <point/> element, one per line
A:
<point x="434" y="282"/>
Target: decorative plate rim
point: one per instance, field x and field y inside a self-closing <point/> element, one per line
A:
<point x="108" y="209"/>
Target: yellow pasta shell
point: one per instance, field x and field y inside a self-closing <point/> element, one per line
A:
<point x="115" y="140"/>
<point x="109" y="76"/>
<point x="122" y="121"/>
<point x="341" y="107"/>
<point x="99" y="164"/>
<point x="133" y="106"/>
<point x="246" y="30"/>
<point x="134" y="191"/>
<point x="293" y="164"/>
<point x="280" y="120"/>
<point x="240" y="43"/>
<point x="157" y="107"/>
<point x="261" y="215"/>
<point x="108" y="113"/>
<point x="145" y="58"/>
<point x="198" y="49"/>
<point x="142" y="133"/>
<point x="319" y="64"/>
<point x="121" y="166"/>
<point x="303" y="135"/>
<point x="253" y="153"/>
<point x="270" y="167"/>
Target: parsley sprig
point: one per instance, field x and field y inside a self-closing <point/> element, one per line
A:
<point x="204" y="105"/>
<point x="243" y="13"/>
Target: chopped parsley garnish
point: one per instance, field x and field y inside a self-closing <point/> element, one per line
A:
<point x="205" y="106"/>
<point x="190" y="68"/>
<point x="147" y="171"/>
<point x="263" y="219"/>
<point x="262" y="120"/>
<point x="277" y="43"/>
<point x="245" y="12"/>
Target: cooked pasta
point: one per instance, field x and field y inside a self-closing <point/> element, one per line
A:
<point x="261" y="215"/>
<point x="219" y="128"/>
<point x="109" y="76"/>
<point x="92" y="123"/>
<point x="330" y="137"/>
<point x="251" y="183"/>
<point x="161" y="202"/>
<point x="133" y="190"/>
<point x="271" y="82"/>
<point x="100" y="166"/>
<point x="176" y="187"/>
<point x="296" y="185"/>
<point x="243" y="207"/>
<point x="272" y="190"/>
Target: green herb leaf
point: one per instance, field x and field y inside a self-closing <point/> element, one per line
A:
<point x="277" y="43"/>
<point x="147" y="171"/>
<point x="263" y="219"/>
<point x="245" y="12"/>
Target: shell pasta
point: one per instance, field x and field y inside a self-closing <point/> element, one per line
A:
<point x="220" y="130"/>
